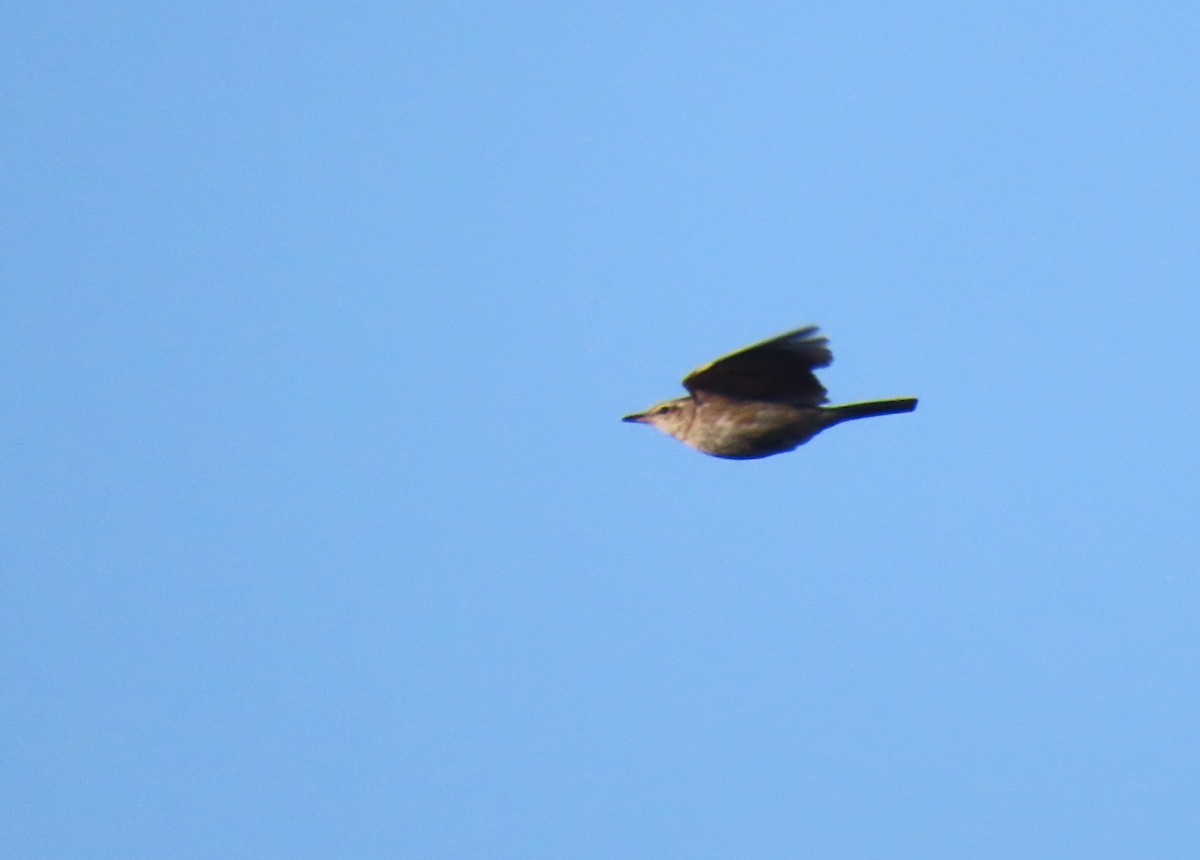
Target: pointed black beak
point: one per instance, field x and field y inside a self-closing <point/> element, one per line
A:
<point x="636" y="418"/>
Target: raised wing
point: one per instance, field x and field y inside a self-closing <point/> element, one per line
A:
<point x="779" y="370"/>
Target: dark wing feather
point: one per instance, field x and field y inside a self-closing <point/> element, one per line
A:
<point x="779" y="370"/>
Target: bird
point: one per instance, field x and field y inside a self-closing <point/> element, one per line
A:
<point x="760" y="401"/>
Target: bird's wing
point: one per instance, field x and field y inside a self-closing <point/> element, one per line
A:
<point x="779" y="370"/>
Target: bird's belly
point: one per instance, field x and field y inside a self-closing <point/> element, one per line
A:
<point x="748" y="431"/>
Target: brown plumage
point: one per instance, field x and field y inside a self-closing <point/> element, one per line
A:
<point x="760" y="401"/>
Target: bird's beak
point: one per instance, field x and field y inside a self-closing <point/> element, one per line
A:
<point x="636" y="418"/>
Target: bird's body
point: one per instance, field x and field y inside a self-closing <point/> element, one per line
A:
<point x="760" y="401"/>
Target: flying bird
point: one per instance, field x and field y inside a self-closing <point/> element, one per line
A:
<point x="760" y="401"/>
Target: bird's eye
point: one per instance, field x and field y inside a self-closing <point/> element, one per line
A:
<point x="663" y="410"/>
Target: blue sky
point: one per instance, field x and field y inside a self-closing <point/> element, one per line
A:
<point x="321" y="537"/>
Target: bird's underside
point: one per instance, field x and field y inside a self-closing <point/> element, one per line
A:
<point x="749" y="429"/>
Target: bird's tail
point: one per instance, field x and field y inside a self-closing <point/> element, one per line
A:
<point x="852" y="411"/>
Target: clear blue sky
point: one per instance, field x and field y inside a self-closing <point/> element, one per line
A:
<point x="319" y="533"/>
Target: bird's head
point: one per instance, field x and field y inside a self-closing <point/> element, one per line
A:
<point x="673" y="417"/>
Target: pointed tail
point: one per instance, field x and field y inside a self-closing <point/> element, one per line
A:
<point x="852" y="411"/>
